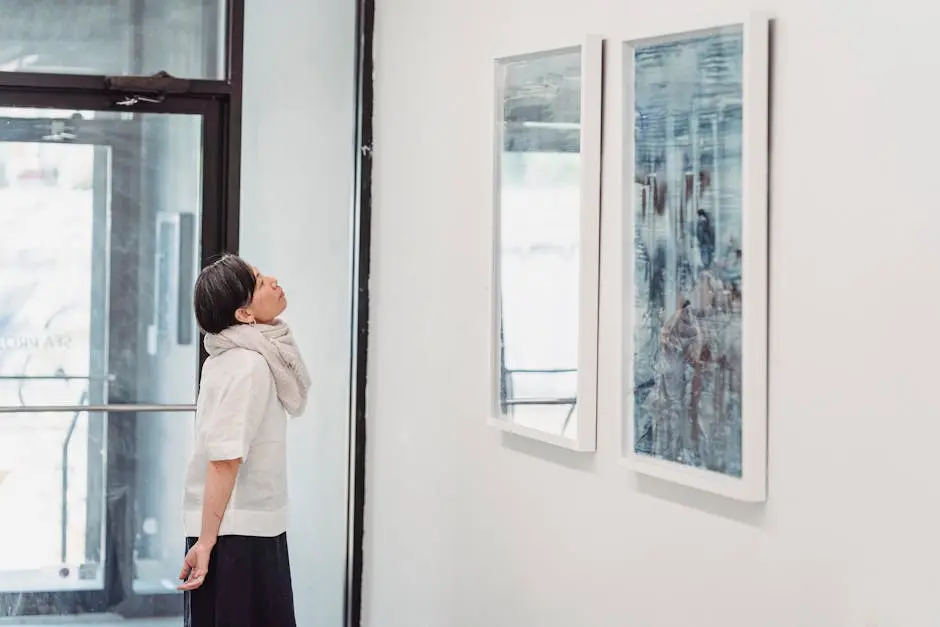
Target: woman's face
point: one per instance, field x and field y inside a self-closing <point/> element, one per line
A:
<point x="268" y="301"/>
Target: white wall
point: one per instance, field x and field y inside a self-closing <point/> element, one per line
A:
<point x="297" y="182"/>
<point x="467" y="528"/>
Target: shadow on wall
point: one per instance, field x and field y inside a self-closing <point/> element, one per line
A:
<point x="753" y="514"/>
<point x="550" y="453"/>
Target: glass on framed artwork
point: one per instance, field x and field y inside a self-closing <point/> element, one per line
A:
<point x="688" y="215"/>
<point x="538" y="245"/>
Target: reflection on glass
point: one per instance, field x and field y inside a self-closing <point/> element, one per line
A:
<point x="539" y="232"/>
<point x="183" y="37"/>
<point x="99" y="248"/>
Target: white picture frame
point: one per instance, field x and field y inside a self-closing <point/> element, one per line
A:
<point x="750" y="484"/>
<point x="582" y="434"/>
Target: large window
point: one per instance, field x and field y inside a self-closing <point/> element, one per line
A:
<point x="113" y="193"/>
<point x="114" y="37"/>
<point x="120" y="157"/>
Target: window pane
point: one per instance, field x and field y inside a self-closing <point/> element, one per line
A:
<point x="99" y="248"/>
<point x="54" y="473"/>
<point x="162" y="443"/>
<point x="183" y="37"/>
<point x="51" y="475"/>
<point x="100" y="232"/>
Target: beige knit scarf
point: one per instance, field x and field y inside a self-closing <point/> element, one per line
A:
<point x="276" y="344"/>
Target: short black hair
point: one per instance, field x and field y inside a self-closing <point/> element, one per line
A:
<point x="223" y="287"/>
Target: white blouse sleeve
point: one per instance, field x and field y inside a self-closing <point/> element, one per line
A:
<point x="238" y="412"/>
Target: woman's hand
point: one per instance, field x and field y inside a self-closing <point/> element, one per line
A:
<point x="195" y="566"/>
<point x="220" y="481"/>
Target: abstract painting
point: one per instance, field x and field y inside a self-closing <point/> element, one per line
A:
<point x="689" y="252"/>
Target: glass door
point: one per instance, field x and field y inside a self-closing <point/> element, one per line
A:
<point x="102" y="232"/>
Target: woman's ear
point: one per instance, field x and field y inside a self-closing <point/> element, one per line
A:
<point x="244" y="316"/>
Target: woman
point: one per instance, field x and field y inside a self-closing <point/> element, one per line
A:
<point x="236" y="572"/>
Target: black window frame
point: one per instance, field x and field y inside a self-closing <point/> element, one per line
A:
<point x="356" y="490"/>
<point x="219" y="102"/>
<point x="216" y="107"/>
<point x="120" y="498"/>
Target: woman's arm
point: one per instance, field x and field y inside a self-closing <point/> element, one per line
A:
<point x="228" y="431"/>
<point x="220" y="481"/>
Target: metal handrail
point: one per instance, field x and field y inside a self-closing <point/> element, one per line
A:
<point x="77" y="411"/>
<point x="52" y="377"/>
<point x="541" y="401"/>
<point x="112" y="409"/>
<point x="507" y="402"/>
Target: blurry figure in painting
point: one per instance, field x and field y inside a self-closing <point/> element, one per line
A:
<point x="705" y="234"/>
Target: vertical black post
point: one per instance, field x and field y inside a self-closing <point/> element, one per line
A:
<point x="232" y="125"/>
<point x="365" y="26"/>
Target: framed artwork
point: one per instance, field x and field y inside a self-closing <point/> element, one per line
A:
<point x="695" y="257"/>
<point x="546" y="237"/>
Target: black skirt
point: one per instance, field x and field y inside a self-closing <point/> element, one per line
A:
<point x="248" y="585"/>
